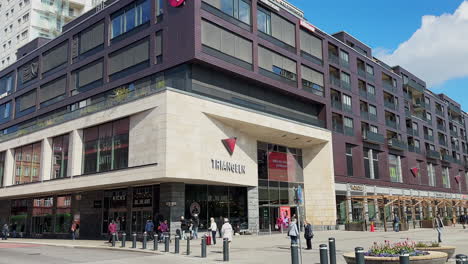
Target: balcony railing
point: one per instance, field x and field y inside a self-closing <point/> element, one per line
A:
<point x="344" y="63"/>
<point x="361" y="72"/>
<point x="347" y="108"/>
<point x="407" y="112"/>
<point x="439" y="112"/>
<point x="333" y="58"/>
<point x="442" y="142"/>
<point x="455" y="147"/>
<point x="367" y="95"/>
<point x="415" y="86"/>
<point x="391" y="123"/>
<point x="388" y="86"/>
<point x="390" y="105"/>
<point x="337" y="105"/>
<point x="414" y="149"/>
<point x="453" y="133"/>
<point x="441" y="127"/>
<point x="447" y="158"/>
<point x="335" y="80"/>
<point x="430" y="138"/>
<point x="432" y="154"/>
<point x="337" y="127"/>
<point x="412" y="132"/>
<point x="349" y="131"/>
<point x="419" y="104"/>
<point x="396" y="144"/>
<point x="454" y="108"/>
<point x="345" y="85"/>
<point x="372" y="137"/>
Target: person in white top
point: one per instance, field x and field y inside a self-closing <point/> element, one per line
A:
<point x="227" y="230"/>
<point x="214" y="229"/>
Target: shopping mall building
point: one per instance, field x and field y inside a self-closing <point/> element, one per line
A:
<point x="160" y="109"/>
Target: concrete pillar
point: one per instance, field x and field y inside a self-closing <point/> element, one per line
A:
<point x="405" y="215"/>
<point x="253" y="210"/>
<point x="46" y="159"/>
<point x="349" y="205"/>
<point x="9" y="169"/>
<point x="75" y="153"/>
<point x="377" y="211"/>
<point x="421" y="216"/>
<point x="366" y="210"/>
<point x="172" y="203"/>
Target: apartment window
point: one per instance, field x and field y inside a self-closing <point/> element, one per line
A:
<point x="344" y="57"/>
<point x="226" y="42"/>
<point x="428" y="116"/>
<point x="369" y="69"/>
<point x="60" y="156"/>
<point x="86" y="78"/>
<point x="373" y="129"/>
<point x="24" y="34"/>
<point x="312" y="81"/>
<point x="26" y="18"/>
<point x="55" y="57"/>
<point x="28" y="163"/>
<point x="347" y="102"/>
<point x="6" y="85"/>
<point x="277" y="64"/>
<point x="431" y="174"/>
<point x="159" y="9"/>
<point x="345" y="79"/>
<point x="276" y="26"/>
<point x="239" y="9"/>
<point x="136" y="54"/>
<point x="394" y="166"/>
<point x="372" y="110"/>
<point x="159" y="47"/>
<point x="91" y="38"/>
<point x="130" y="17"/>
<point x="445" y="177"/>
<point x="53" y="91"/>
<point x="371" y="163"/>
<point x="26" y="104"/>
<point x="5" y="112"/>
<point x="349" y="160"/>
<point x="348" y="126"/>
<point x="370" y="89"/>
<point x="106" y="146"/>
<point x="2" y="167"/>
<point x="311" y="44"/>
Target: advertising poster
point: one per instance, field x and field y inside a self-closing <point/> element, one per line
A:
<point x="285" y="211"/>
<point x="281" y="167"/>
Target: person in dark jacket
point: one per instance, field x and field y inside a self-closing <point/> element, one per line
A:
<point x="196" y="224"/>
<point x="308" y="234"/>
<point x="220" y="223"/>
<point x="463" y="220"/>
<point x="184" y="228"/>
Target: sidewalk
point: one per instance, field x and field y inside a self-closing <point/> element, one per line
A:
<point x="270" y="248"/>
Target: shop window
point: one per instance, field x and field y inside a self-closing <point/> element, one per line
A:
<point x="6" y="85"/>
<point x="115" y="208"/>
<point x="238" y="9"/>
<point x="134" y="55"/>
<point x="28" y="163"/>
<point x="226" y="42"/>
<point x="42" y="215"/>
<point x="26" y="104"/>
<point x="274" y="63"/>
<point x="60" y="156"/>
<point x="106" y="146"/>
<point x="311" y="45"/>
<point x="53" y="91"/>
<point x="87" y="77"/>
<point x="273" y="25"/>
<point x="5" y="112"/>
<point x="19" y="215"/>
<point x="55" y="57"/>
<point x="130" y="17"/>
<point x="63" y="215"/>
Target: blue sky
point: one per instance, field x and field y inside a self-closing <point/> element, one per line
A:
<point x="385" y="25"/>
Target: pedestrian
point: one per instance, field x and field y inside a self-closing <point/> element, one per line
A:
<point x="463" y="220"/>
<point x="13" y="229"/>
<point x="438" y="225"/>
<point x="220" y="224"/>
<point x="184" y="228"/>
<point x="164" y="228"/>
<point x="286" y="221"/>
<point x="396" y="223"/>
<point x="117" y="228"/>
<point x="227" y="230"/>
<point x="196" y="224"/>
<point x="308" y="234"/>
<point x="149" y="228"/>
<point x="112" y="228"/>
<point x="213" y="228"/>
<point x="73" y="229"/>
<point x="5" y="231"/>
<point x="293" y="232"/>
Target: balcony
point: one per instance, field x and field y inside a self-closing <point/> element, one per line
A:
<point x="442" y="142"/>
<point x="391" y="123"/>
<point x="414" y="149"/>
<point x="390" y="105"/>
<point x="419" y="104"/>
<point x="408" y="96"/>
<point x="447" y="158"/>
<point x="457" y="120"/>
<point x="370" y="76"/>
<point x="455" y="147"/>
<point x="349" y="131"/>
<point x="333" y="58"/>
<point x="335" y="81"/>
<point x="407" y="112"/>
<point x="454" y="108"/>
<point x="416" y="86"/>
<point x="412" y="132"/>
<point x="441" y="127"/>
<point x="428" y="137"/>
<point x="337" y="127"/>
<point x="361" y="72"/>
<point x="347" y="108"/>
<point x="432" y="154"/>
<point x="453" y="133"/>
<point x="337" y="105"/>
<point x="372" y="137"/>
<point x="368" y="116"/>
<point x="345" y="85"/>
<point x="388" y="86"/>
<point x="439" y="112"/>
<point x="344" y="63"/>
<point x="396" y="144"/>
<point x="365" y="94"/>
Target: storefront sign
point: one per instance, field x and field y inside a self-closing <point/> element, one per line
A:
<point x="176" y="3"/>
<point x="230" y="144"/>
<point x="97" y="204"/>
<point x="142" y="199"/>
<point x="415" y="171"/>
<point x="227" y="166"/>
<point x="357" y="188"/>
<point x="171" y="204"/>
<point x="281" y="167"/>
<point x="195" y="208"/>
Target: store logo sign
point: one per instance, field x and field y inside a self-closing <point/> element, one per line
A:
<point x="415" y="171"/>
<point x="176" y="3"/>
<point x="230" y="144"/>
<point x="458" y="179"/>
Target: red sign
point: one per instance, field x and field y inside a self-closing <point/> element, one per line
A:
<point x="281" y="167"/>
<point x="230" y="144"/>
<point x="176" y="3"/>
<point x="415" y="171"/>
<point x="458" y="179"/>
<point x="307" y="25"/>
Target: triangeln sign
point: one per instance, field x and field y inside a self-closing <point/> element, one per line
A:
<point x="176" y="3"/>
<point x="415" y="171"/>
<point x="230" y="144"/>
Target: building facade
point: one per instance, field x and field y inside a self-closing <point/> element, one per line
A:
<point x="25" y="20"/>
<point x="160" y="109"/>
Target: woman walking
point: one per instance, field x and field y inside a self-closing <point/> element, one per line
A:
<point x="293" y="231"/>
<point x="308" y="234"/>
<point x="227" y="230"/>
<point x="214" y="229"/>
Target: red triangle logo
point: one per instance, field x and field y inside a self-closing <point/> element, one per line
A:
<point x="458" y="179"/>
<point x="415" y="171"/>
<point x="230" y="144"/>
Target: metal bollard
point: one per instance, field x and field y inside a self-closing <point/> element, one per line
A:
<point x="177" y="245"/>
<point x="404" y="257"/>
<point x="155" y="242"/>
<point x="134" y="240"/>
<point x="332" y="248"/>
<point x="203" y="247"/>
<point x="359" y="253"/>
<point x="294" y="253"/>
<point x="188" y="246"/>
<point x="124" y="239"/>
<point x="225" y="249"/>
<point x="145" y="240"/>
<point x="323" y="254"/>
<point x="166" y="243"/>
<point x="113" y="239"/>
<point x="461" y="259"/>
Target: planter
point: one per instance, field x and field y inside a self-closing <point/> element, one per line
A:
<point x="434" y="257"/>
<point x="449" y="250"/>
<point x="354" y="227"/>
<point x="404" y="226"/>
<point x="426" y="223"/>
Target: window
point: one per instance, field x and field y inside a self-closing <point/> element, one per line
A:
<point x="2" y="167"/>
<point x="277" y="64"/>
<point x="226" y="42"/>
<point x="348" y="126"/>
<point x="371" y="163"/>
<point x="428" y="116"/>
<point x="372" y="110"/>
<point x="370" y="89"/>
<point x="347" y="102"/>
<point x="133" y="55"/>
<point x="106" y="146"/>
<point x="28" y="159"/>
<point x="53" y="91"/>
<point x="159" y="47"/>
<point x="159" y="9"/>
<point x="63" y="215"/>
<point x="91" y="38"/>
<point x="60" y="156"/>
<point x="349" y="159"/>
<point x="6" y="85"/>
<point x="431" y="174"/>
<point x="394" y="166"/>
<point x="276" y="26"/>
<point x="239" y="9"/>
<point x="345" y="79"/>
<point x="369" y="69"/>
<point x="445" y="177"/>
<point x="311" y="44"/>
<point x="26" y="104"/>
<point x="130" y="17"/>
<point x="344" y="57"/>
<point x="55" y="57"/>
<point x="373" y="129"/>
<point x="312" y="81"/>
<point x="5" y="112"/>
<point x="87" y="77"/>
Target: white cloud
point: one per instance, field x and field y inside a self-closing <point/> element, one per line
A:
<point x="437" y="51"/>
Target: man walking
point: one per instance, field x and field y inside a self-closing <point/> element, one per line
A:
<point x="196" y="224"/>
<point x="308" y="234"/>
<point x="438" y="225"/>
<point x="396" y="223"/>
<point x="463" y="220"/>
<point x="149" y="229"/>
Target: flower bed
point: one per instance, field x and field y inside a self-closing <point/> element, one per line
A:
<point x="387" y="249"/>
